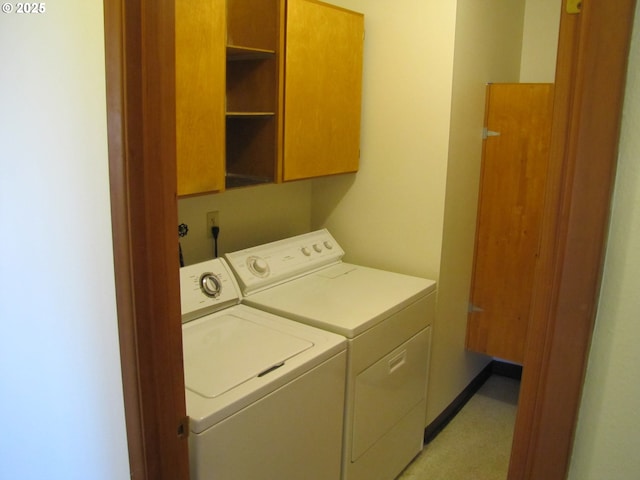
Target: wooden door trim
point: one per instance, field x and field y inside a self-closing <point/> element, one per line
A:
<point x="114" y="38"/>
<point x="591" y="71"/>
<point x="140" y="75"/>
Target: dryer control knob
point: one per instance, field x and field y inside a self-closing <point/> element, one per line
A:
<point x="328" y="245"/>
<point x="210" y="285"/>
<point x="305" y="251"/>
<point x="258" y="266"/>
<point x="317" y="247"/>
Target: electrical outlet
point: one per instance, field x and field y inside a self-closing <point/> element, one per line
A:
<point x="213" y="220"/>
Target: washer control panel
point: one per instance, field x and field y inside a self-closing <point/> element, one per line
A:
<point x="207" y="287"/>
<point x="210" y="284"/>
<point x="263" y="266"/>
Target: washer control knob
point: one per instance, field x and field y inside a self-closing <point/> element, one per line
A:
<point x="328" y="245"/>
<point x="210" y="285"/>
<point x="317" y="247"/>
<point x="305" y="251"/>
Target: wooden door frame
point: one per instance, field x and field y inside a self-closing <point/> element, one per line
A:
<point x="140" y="75"/>
<point x="593" y="51"/>
<point x="141" y="130"/>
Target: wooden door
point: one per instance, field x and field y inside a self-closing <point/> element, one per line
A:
<point x="323" y="84"/>
<point x="514" y="165"/>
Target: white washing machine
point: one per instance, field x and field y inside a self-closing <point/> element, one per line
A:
<point x="264" y="394"/>
<point x="387" y="319"/>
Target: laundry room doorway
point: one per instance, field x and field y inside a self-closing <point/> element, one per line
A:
<point x="141" y="123"/>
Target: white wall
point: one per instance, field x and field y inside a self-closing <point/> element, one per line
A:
<point x="389" y="215"/>
<point x="60" y="381"/>
<point x="540" y="41"/>
<point x="487" y="49"/>
<point x="607" y="437"/>
<point x="248" y="216"/>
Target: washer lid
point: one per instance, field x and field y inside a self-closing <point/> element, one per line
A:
<point x="224" y="352"/>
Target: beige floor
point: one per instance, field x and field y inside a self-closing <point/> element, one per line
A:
<point x="476" y="444"/>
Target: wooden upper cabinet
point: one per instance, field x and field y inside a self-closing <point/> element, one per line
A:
<point x="266" y="91"/>
<point x="200" y="98"/>
<point x="323" y="85"/>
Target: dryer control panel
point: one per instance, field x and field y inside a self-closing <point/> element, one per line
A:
<point x="272" y="263"/>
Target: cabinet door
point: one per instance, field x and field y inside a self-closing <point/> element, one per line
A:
<point x="323" y="83"/>
<point x="514" y="170"/>
<point x="200" y="89"/>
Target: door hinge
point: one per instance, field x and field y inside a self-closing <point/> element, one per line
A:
<point x="574" y="6"/>
<point x="473" y="308"/>
<point x="486" y="133"/>
<point x="183" y="428"/>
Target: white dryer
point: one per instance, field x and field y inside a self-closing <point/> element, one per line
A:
<point x="387" y="319"/>
<point x="264" y="394"/>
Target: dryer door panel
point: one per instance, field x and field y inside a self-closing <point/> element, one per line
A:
<point x="388" y="390"/>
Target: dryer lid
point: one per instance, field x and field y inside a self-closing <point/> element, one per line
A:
<point x="225" y="351"/>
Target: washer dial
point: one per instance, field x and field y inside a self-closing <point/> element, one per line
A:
<point x="210" y="285"/>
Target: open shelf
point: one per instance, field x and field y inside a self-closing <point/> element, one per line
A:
<point x="238" y="53"/>
<point x="250" y="114"/>
<point x="253" y="102"/>
<point x="236" y="180"/>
